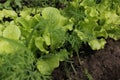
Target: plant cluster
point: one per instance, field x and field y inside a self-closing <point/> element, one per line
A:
<point x="33" y="42"/>
<point x="95" y="21"/>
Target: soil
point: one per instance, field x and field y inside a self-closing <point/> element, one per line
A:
<point x="98" y="65"/>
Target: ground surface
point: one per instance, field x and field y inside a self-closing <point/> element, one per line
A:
<point x="101" y="65"/>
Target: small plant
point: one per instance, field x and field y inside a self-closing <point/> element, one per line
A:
<point x="88" y="75"/>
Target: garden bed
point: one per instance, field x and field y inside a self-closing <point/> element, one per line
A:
<point x="101" y="65"/>
<point x="60" y="40"/>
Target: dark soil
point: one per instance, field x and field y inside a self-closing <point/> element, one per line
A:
<point x="99" y="65"/>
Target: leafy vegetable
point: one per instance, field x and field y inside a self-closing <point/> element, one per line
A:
<point x="97" y="44"/>
<point x="48" y="63"/>
<point x="34" y="41"/>
<point x="19" y="63"/>
<point x="39" y="43"/>
<point x="7" y="13"/>
<point x="94" y="21"/>
<point x="12" y="32"/>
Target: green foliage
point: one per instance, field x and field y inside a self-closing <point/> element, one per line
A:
<point x="40" y="34"/>
<point x="40" y="3"/>
<point x="94" y="20"/>
<point x="18" y="66"/>
<point x="39" y="41"/>
<point x="10" y="4"/>
<point x="47" y="63"/>
<point x="54" y="27"/>
<point x="7" y="14"/>
<point x="46" y="3"/>
<point x="97" y="44"/>
<point x="12" y="32"/>
<point x="48" y="35"/>
<point x="32" y="43"/>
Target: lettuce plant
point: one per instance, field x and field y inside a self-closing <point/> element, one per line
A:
<point x="95" y="21"/>
<point x="41" y="34"/>
<point x="33" y="43"/>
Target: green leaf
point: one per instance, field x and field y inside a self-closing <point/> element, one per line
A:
<point x="25" y="12"/>
<point x="46" y="37"/>
<point x="6" y="5"/>
<point x="6" y="47"/>
<point x="9" y="13"/>
<point x="57" y="38"/>
<point x="43" y="67"/>
<point x="69" y="25"/>
<point x="18" y="3"/>
<point x="12" y="32"/>
<point x="93" y="12"/>
<point x="50" y="13"/>
<point x="39" y="41"/>
<point x="1" y="15"/>
<point x="81" y="35"/>
<point x="114" y="33"/>
<point x="23" y="22"/>
<point x="10" y="46"/>
<point x="53" y="62"/>
<point x="101" y="33"/>
<point x="62" y="55"/>
<point x="47" y="65"/>
<point x="53" y="16"/>
<point x="112" y="17"/>
<point x="1" y="29"/>
<point x="49" y="62"/>
<point x="97" y="44"/>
